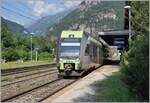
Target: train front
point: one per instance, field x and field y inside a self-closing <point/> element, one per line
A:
<point x="69" y="53"/>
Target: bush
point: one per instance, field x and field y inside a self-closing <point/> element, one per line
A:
<point x="135" y="62"/>
<point x="24" y="55"/>
<point x="10" y="54"/>
<point x="135" y="66"/>
<point x="45" y="56"/>
<point x="113" y="89"/>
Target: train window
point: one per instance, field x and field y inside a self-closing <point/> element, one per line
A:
<point x="87" y="50"/>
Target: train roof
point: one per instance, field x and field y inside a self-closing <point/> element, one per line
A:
<point x="79" y="34"/>
<point x="75" y="34"/>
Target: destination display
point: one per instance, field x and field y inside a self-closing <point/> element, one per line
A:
<point x="71" y="40"/>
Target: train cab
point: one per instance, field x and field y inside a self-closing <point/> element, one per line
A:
<point x="77" y="51"/>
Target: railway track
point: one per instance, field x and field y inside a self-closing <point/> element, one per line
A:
<point x="28" y="77"/>
<point x="14" y="77"/>
<point x="6" y="72"/>
<point x="41" y="92"/>
<point x="9" y="90"/>
<point x="35" y="88"/>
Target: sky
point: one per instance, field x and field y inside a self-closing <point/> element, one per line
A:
<point x="25" y="12"/>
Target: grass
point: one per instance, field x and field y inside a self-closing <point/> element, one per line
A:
<point x="12" y="77"/>
<point x="11" y="65"/>
<point x="113" y="89"/>
<point x="7" y="78"/>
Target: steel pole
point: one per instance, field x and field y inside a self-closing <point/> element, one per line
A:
<point x="36" y="55"/>
<point x="31" y="46"/>
<point x="129" y="23"/>
<point x="129" y="19"/>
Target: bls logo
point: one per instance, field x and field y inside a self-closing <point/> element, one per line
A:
<point x="69" y="61"/>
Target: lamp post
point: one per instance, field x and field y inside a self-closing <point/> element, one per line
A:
<point x="53" y="52"/>
<point x="31" y="45"/>
<point x="129" y="8"/>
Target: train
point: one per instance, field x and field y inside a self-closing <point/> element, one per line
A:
<point x="79" y="51"/>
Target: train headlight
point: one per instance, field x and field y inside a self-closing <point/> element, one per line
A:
<point x="61" y="59"/>
<point x="77" y="60"/>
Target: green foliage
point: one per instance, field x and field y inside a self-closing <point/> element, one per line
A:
<point x="10" y="54"/>
<point x="136" y="67"/>
<point x="140" y="15"/>
<point x="12" y="26"/>
<point x="24" y="55"/>
<point x="45" y="56"/>
<point x="135" y="61"/>
<point x="113" y="89"/>
<point x="16" y="46"/>
<point x="7" y="38"/>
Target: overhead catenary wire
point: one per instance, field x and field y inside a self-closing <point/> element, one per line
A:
<point x="10" y="10"/>
<point x="28" y="17"/>
<point x="20" y="14"/>
<point x="22" y="5"/>
<point x="19" y="2"/>
<point x="17" y="13"/>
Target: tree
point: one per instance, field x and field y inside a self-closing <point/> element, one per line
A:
<point x="10" y="54"/>
<point x="135" y="61"/>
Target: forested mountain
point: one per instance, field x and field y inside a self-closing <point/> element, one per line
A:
<point x="98" y="15"/>
<point x="13" y="27"/>
<point x="40" y="26"/>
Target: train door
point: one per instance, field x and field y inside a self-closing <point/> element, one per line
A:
<point x="94" y="53"/>
<point x="101" y="55"/>
<point x="98" y="55"/>
<point x="85" y="52"/>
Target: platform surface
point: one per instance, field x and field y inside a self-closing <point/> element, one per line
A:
<point x="80" y="90"/>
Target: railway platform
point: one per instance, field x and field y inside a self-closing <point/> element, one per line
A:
<point x="78" y="91"/>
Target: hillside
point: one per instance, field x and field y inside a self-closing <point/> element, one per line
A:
<point x="40" y="26"/>
<point x="13" y="27"/>
<point x="98" y="15"/>
<point x="15" y="46"/>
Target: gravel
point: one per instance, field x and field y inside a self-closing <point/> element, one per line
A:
<point x="17" y="70"/>
<point x="17" y="88"/>
<point x="43" y="92"/>
<point x="12" y="77"/>
<point x="29" y="76"/>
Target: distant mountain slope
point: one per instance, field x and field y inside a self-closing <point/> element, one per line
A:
<point x="40" y="27"/>
<point x="13" y="27"/>
<point x="92" y="16"/>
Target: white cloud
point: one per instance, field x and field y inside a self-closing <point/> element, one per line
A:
<point x="40" y="8"/>
<point x="71" y="3"/>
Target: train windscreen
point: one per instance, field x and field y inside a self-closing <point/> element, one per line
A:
<point x="70" y="48"/>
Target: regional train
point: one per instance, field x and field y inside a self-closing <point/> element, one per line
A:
<point x="77" y="52"/>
